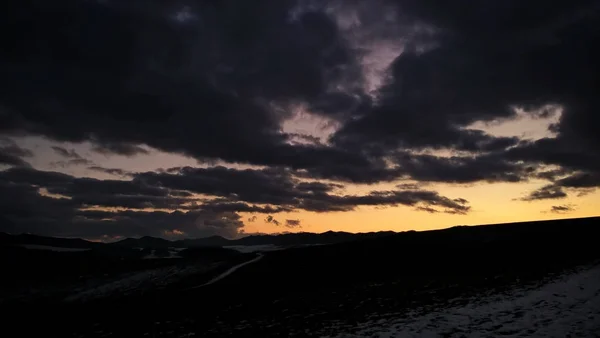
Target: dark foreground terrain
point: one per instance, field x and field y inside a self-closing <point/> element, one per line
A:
<point x="319" y="290"/>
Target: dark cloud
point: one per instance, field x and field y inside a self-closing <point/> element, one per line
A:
<point x="71" y="154"/>
<point x="562" y="209"/>
<point x="12" y="154"/>
<point x="93" y="192"/>
<point x="427" y="209"/>
<point x="409" y="186"/>
<point x="461" y="169"/>
<point x="139" y="76"/>
<point x="219" y="206"/>
<point x="134" y="201"/>
<point x="545" y="193"/>
<point x="217" y="83"/>
<point x="111" y="171"/>
<point x="580" y="180"/>
<point x="274" y="186"/>
<point x="74" y="200"/>
<point x="305" y="138"/>
<point x="489" y="57"/>
<point x="570" y="157"/>
<point x="386" y="198"/>
<point x="8" y="159"/>
<point x="271" y="219"/>
<point x="278" y="187"/>
<point x="318" y="187"/>
<point x="552" y="175"/>
<point x="24" y="209"/>
<point x="157" y="223"/>
<point x="72" y="162"/>
<point x="293" y="223"/>
<point x="121" y="148"/>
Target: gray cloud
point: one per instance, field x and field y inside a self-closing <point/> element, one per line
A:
<point x="218" y="85"/>
<point x="581" y="182"/>
<point x="122" y="90"/>
<point x="12" y="154"/>
<point x="462" y="169"/>
<point x="280" y="188"/>
<point x="24" y="209"/>
<point x="562" y="209"/>
<point x="271" y="219"/>
<point x="293" y="223"/>
<point x="71" y="154"/>
<point x="264" y="191"/>
<point x="545" y="193"/>
<point x="120" y="148"/>
<point x="111" y="171"/>
<point x="71" y="162"/>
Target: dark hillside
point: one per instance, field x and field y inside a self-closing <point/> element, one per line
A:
<point x="302" y="288"/>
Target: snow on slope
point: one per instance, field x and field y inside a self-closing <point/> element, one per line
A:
<point x="229" y="272"/>
<point x="566" y="307"/>
<point x="172" y="254"/>
<point x="136" y="282"/>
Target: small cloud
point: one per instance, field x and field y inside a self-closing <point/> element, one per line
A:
<point x="292" y="223"/>
<point x="66" y="153"/>
<point x="12" y="154"/>
<point x="409" y="186"/>
<point x="73" y="158"/>
<point x="298" y="138"/>
<point x="562" y="209"/>
<point x="75" y="161"/>
<point x="80" y="161"/>
<point x="545" y="193"/>
<point x="427" y="209"/>
<point x="461" y="200"/>
<point x="585" y="191"/>
<point x="123" y="149"/>
<point x="173" y="234"/>
<point x="252" y="219"/>
<point x="110" y="171"/>
<point x="271" y="219"/>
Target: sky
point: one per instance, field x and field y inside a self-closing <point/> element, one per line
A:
<point x="190" y="118"/>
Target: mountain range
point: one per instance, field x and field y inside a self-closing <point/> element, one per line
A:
<point x="286" y="240"/>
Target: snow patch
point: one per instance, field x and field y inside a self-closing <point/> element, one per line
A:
<point x="172" y="254"/>
<point x="567" y="307"/>
<point x="229" y="272"/>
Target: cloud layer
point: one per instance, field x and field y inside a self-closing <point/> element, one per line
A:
<point x="195" y="202"/>
<point x="401" y="82"/>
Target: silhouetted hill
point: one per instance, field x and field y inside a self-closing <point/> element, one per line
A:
<point x="451" y="236"/>
<point x="349" y="280"/>
<point x="292" y="239"/>
<point x="306" y="238"/>
<point x="28" y="239"/>
<point x="148" y="242"/>
<point x="144" y="242"/>
<point x="202" y="242"/>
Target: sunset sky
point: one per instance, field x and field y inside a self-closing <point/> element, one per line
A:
<point x="196" y="118"/>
